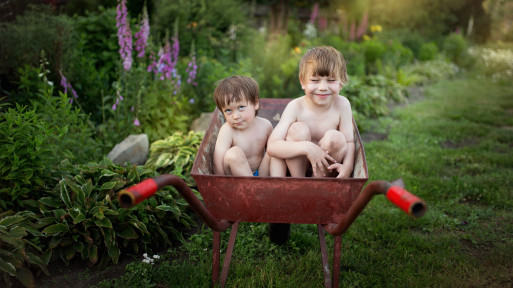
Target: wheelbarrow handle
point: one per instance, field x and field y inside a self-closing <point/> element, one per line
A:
<point x="133" y="195"/>
<point x="395" y="192"/>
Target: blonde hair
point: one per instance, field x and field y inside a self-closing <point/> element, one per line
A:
<point x="234" y="89"/>
<point x="323" y="61"/>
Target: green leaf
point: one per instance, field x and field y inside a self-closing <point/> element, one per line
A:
<point x="77" y="216"/>
<point x="108" y="185"/>
<point x="87" y="188"/>
<point x="10" y="220"/>
<point x="51" y="201"/>
<point x="114" y="253"/>
<point x="103" y="222"/>
<point x="47" y="256"/>
<point x="55" y="241"/>
<point x="56" y="228"/>
<point x="107" y="173"/>
<point x="25" y="276"/>
<point x="8" y="268"/>
<point x="65" y="194"/>
<point x="127" y="232"/>
<point x="18" y="232"/>
<point x="174" y="209"/>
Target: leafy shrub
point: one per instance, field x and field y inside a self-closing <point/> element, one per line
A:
<point x="275" y="66"/>
<point x="455" y="48"/>
<point x="369" y="95"/>
<point x="428" y="51"/>
<point x="27" y="152"/>
<point x="93" y="63"/>
<point x="175" y="154"/>
<point x="431" y="71"/>
<point x="81" y="219"/>
<point x="494" y="63"/>
<point x="397" y="55"/>
<point x="17" y="253"/>
<point x="373" y="51"/>
<point x="162" y="112"/>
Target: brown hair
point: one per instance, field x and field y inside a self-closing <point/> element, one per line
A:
<point x="323" y="61"/>
<point x="236" y="88"/>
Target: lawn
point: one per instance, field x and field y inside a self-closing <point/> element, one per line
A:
<point x="453" y="148"/>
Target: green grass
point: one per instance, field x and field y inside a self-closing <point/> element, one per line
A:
<point x="454" y="150"/>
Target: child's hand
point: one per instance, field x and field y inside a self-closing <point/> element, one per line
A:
<point x="338" y="167"/>
<point x="319" y="159"/>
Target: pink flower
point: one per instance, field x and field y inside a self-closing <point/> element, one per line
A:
<point x="66" y="85"/>
<point x="136" y="122"/>
<point x="124" y="35"/>
<point x="192" y="70"/>
<point x="143" y="34"/>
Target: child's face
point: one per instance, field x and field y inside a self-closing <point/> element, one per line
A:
<point x="321" y="89"/>
<point x="240" y="114"/>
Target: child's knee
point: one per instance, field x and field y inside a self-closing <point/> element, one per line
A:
<point x="334" y="141"/>
<point x="298" y="131"/>
<point x="234" y="155"/>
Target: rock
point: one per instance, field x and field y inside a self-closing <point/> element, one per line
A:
<point x="201" y="123"/>
<point x="133" y="149"/>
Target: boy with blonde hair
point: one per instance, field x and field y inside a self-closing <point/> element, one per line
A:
<point x="241" y="143"/>
<point x="317" y="128"/>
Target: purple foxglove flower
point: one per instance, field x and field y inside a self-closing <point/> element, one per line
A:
<point x="143" y="34"/>
<point x="136" y="122"/>
<point x="124" y="35"/>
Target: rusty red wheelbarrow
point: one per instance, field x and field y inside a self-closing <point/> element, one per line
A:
<point x="333" y="204"/>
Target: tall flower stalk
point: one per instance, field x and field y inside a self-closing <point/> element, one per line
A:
<point x="143" y="34"/>
<point x="192" y="67"/>
<point x="66" y="85"/>
<point x="124" y="35"/>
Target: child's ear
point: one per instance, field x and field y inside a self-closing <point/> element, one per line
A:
<point x="302" y="85"/>
<point x="257" y="105"/>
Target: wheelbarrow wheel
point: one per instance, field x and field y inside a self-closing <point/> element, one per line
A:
<point x="279" y="232"/>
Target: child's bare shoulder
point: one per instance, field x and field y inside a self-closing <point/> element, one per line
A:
<point x="342" y="101"/>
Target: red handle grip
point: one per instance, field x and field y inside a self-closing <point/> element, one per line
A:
<point x="137" y="193"/>
<point x="408" y="202"/>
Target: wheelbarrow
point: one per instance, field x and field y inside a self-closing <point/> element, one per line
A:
<point x="333" y="204"/>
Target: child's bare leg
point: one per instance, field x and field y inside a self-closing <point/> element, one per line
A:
<point x="235" y="163"/>
<point x="298" y="131"/>
<point x="264" y="168"/>
<point x="278" y="167"/>
<point x="335" y="143"/>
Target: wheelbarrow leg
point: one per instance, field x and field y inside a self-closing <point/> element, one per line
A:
<point x="216" y="246"/>
<point x="324" y="256"/>
<point x="336" y="259"/>
<point x="229" y="251"/>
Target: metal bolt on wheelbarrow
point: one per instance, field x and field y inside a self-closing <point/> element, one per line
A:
<point x="333" y="204"/>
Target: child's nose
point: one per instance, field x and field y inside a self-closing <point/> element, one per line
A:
<point x="323" y="85"/>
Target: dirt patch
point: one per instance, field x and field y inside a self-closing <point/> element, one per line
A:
<point x="79" y="275"/>
<point x="461" y="144"/>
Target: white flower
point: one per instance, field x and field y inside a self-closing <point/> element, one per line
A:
<point x="156" y="257"/>
<point x="146" y="260"/>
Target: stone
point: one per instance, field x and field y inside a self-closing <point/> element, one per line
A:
<point x="201" y="123"/>
<point x="133" y="149"/>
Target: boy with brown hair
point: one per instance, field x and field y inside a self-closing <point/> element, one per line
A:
<point x="241" y="143"/>
<point x="316" y="128"/>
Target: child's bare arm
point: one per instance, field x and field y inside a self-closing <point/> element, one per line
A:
<point x="345" y="168"/>
<point x="223" y="143"/>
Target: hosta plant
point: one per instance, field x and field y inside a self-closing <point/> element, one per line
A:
<point x="18" y="254"/>
<point x="175" y="154"/>
<point x="82" y="217"/>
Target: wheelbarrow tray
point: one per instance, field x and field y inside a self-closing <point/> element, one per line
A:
<point x="275" y="199"/>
